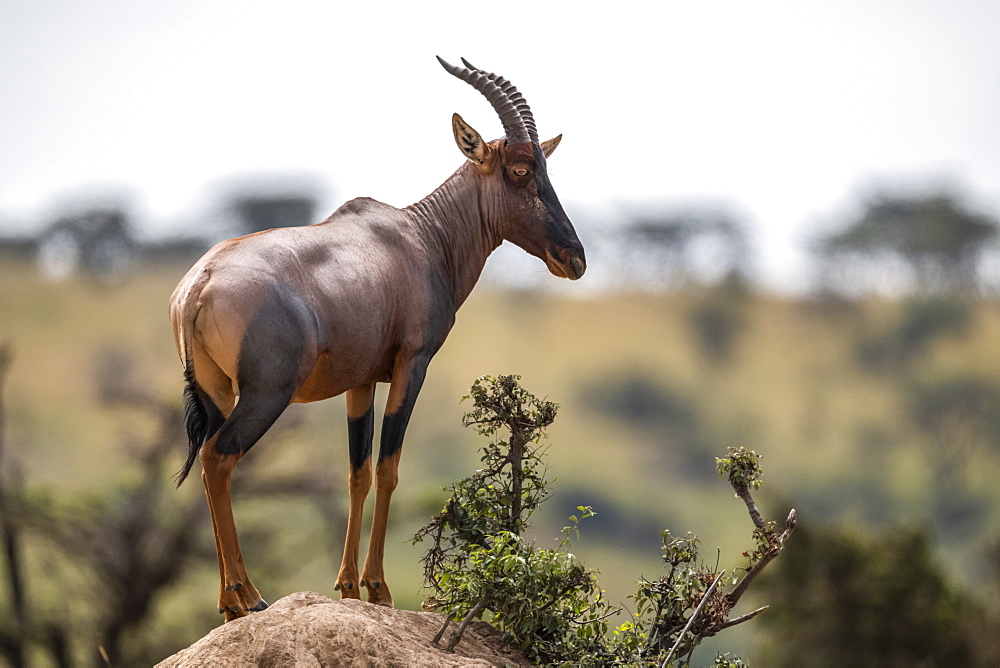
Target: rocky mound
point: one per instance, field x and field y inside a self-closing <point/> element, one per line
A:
<point x="308" y="629"/>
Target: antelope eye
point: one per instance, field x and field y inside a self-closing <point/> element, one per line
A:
<point x="520" y="171"/>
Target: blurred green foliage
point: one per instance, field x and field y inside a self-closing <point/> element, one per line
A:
<point x="910" y="442"/>
<point x="720" y="317"/>
<point x="863" y="598"/>
<point x="922" y="321"/>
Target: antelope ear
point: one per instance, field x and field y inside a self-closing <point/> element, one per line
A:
<point x="469" y="142"/>
<point x="549" y="145"/>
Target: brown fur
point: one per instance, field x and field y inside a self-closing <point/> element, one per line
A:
<point x="369" y="295"/>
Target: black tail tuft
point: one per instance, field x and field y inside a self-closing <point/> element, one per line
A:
<point x="196" y="420"/>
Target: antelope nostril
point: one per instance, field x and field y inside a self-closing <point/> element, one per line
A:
<point x="578" y="266"/>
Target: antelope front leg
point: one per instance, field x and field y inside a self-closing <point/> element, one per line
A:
<point x="408" y="376"/>
<point x="373" y="577"/>
<point x="237" y="595"/>
<point x="360" y="430"/>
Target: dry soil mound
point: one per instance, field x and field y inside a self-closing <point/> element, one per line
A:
<point x="307" y="629"/>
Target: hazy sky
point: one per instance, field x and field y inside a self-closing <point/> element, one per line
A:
<point x="782" y="110"/>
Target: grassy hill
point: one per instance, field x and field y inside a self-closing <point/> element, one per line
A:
<point x="871" y="413"/>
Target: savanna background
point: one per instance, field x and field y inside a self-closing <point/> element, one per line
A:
<point x="791" y="220"/>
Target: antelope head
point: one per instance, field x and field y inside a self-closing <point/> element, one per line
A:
<point x="515" y="170"/>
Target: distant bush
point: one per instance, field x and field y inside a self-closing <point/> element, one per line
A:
<point x="667" y="418"/>
<point x="957" y="415"/>
<point x="955" y="405"/>
<point x="922" y="322"/>
<point x="847" y="598"/>
<point x="636" y="397"/>
<point x="719" y="317"/>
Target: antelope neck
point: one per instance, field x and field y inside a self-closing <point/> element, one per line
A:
<point x="461" y="225"/>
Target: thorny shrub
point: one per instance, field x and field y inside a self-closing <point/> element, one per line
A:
<point x="544" y="600"/>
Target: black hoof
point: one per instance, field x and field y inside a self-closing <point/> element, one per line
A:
<point x="261" y="605"/>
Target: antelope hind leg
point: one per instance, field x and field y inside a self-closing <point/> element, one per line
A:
<point x="237" y="594"/>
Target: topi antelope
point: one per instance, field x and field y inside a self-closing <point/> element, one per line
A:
<point x="367" y="296"/>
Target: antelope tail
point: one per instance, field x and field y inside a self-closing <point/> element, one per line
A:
<point x="195" y="419"/>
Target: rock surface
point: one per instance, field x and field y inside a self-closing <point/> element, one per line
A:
<point x="308" y="629"/>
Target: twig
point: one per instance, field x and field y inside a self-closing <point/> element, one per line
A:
<point x="743" y="491"/>
<point x="704" y="600"/>
<point x="610" y="613"/>
<point x="455" y="639"/>
<point x="790" y="523"/>
<point x="515" y="458"/>
<point x="555" y="599"/>
<point x="440" y="633"/>
<point x="739" y="620"/>
<point x="11" y="498"/>
<point x="773" y="551"/>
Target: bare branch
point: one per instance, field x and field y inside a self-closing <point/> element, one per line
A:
<point x="455" y="639"/>
<point x="694" y="616"/>
<point x="774" y="549"/>
<point x="440" y="633"/>
<point x="743" y="618"/>
<point x="743" y="491"/>
<point x="790" y="523"/>
<point x="11" y="498"/>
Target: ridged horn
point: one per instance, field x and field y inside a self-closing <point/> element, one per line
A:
<point x="515" y="116"/>
<point x="514" y="95"/>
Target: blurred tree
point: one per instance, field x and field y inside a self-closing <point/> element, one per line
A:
<point x="175" y="250"/>
<point x="14" y="636"/>
<point x="637" y="398"/>
<point x="17" y="246"/>
<point x="958" y="403"/>
<point x="841" y="598"/>
<point x="263" y="212"/>
<point x="654" y="249"/>
<point x="112" y="553"/>
<point x="668" y="420"/>
<point x="698" y="244"/>
<point x="936" y="237"/>
<point x="959" y="416"/>
<point x="249" y="203"/>
<point x="719" y="317"/>
<point x="922" y="321"/>
<point x="96" y="240"/>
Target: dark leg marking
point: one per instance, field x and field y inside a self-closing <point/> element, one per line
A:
<point x="360" y="433"/>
